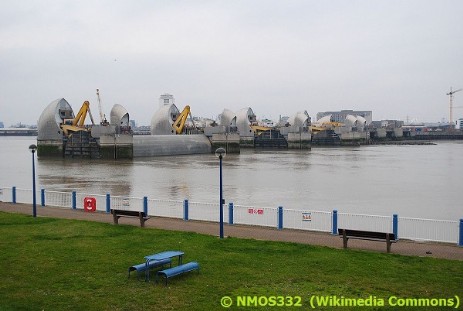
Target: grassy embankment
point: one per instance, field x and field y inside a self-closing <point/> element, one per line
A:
<point x="56" y="264"/>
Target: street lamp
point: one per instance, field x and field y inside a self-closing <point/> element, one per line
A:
<point x="220" y="153"/>
<point x="33" y="148"/>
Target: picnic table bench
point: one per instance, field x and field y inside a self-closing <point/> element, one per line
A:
<point x="347" y="234"/>
<point x="162" y="256"/>
<point x="180" y="269"/>
<point x="150" y="265"/>
<point x="117" y="213"/>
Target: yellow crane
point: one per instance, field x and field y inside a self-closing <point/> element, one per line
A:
<point x="77" y="124"/>
<point x="179" y="123"/>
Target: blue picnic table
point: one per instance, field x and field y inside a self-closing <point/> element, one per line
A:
<point x="162" y="256"/>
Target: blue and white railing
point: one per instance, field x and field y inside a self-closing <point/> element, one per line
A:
<point x="404" y="227"/>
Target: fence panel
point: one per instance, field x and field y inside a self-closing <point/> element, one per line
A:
<point x="365" y="222"/>
<point x="207" y="211"/>
<point x="259" y="216"/>
<point x="307" y="220"/>
<point x="127" y="203"/>
<point x="428" y="229"/>
<point x="59" y="199"/>
<point x="6" y="194"/>
<point x="165" y="208"/>
<point x="25" y="196"/>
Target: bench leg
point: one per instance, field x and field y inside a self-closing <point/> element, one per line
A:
<point x="344" y="239"/>
<point x="142" y="220"/>
<point x="388" y="242"/>
<point x="115" y="219"/>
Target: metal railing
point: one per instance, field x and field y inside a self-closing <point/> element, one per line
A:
<point x="450" y="231"/>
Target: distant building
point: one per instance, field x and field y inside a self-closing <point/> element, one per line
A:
<point x="340" y="116"/>
<point x="166" y="99"/>
<point x="458" y="126"/>
<point x="387" y="124"/>
<point x="2" y="125"/>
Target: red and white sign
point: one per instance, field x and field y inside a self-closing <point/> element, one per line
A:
<point x="256" y="211"/>
<point x="89" y="204"/>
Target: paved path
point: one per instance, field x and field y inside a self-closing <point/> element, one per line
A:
<point x="403" y="247"/>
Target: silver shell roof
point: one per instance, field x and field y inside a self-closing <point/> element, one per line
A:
<point x="244" y="118"/>
<point x="48" y="125"/>
<point x="163" y="119"/>
<point x="228" y="118"/>
<point x="300" y="119"/>
<point x="119" y="116"/>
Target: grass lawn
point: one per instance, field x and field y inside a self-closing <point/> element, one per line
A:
<point x="57" y="264"/>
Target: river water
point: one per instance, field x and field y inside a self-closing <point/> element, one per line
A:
<point x="422" y="181"/>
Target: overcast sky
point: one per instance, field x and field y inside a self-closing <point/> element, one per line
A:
<point x="397" y="58"/>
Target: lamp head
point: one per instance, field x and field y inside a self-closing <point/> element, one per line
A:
<point x="32" y="148"/>
<point x="220" y="152"/>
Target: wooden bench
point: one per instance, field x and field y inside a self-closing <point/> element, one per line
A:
<point x="117" y="213"/>
<point x="152" y="264"/>
<point x="347" y="234"/>
<point x="174" y="271"/>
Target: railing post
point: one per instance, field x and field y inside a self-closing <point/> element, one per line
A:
<point x="74" y="200"/>
<point x="185" y="209"/>
<point x="230" y="213"/>
<point x="13" y="194"/>
<point x="42" y="197"/>
<point x="108" y="203"/>
<point x="460" y="241"/>
<point x="334" y="223"/>
<point x="145" y="205"/>
<point x="395" y="225"/>
<point x="280" y="218"/>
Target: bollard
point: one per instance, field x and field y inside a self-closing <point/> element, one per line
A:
<point x="108" y="203"/>
<point x="185" y="210"/>
<point x="334" y="223"/>
<point x="395" y="226"/>
<point x="460" y="242"/>
<point x="42" y="197"/>
<point x="74" y="200"/>
<point x="280" y="218"/>
<point x="13" y="194"/>
<point x="230" y="213"/>
<point x="145" y="205"/>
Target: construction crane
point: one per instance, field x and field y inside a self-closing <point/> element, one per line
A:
<point x="77" y="124"/>
<point x="179" y="123"/>
<point x="103" y="120"/>
<point x="451" y="105"/>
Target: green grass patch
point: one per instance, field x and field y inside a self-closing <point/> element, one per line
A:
<point x="57" y="264"/>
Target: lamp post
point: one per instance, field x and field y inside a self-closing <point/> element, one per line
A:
<point x="33" y="148"/>
<point x="220" y="153"/>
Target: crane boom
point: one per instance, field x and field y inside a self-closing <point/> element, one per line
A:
<point x="77" y="124"/>
<point x="179" y="123"/>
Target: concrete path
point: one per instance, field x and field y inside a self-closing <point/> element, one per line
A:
<point x="403" y="247"/>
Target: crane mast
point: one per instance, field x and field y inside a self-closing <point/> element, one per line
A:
<point x="103" y="120"/>
<point x="451" y="105"/>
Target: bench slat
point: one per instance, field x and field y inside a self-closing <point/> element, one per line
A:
<point x="366" y="234"/>
<point x="174" y="271"/>
<point x="346" y="234"/>
<point x="152" y="264"/>
<point x="117" y="213"/>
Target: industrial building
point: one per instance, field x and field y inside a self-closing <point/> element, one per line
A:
<point x="340" y="116"/>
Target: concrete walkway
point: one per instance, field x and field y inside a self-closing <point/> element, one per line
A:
<point x="403" y="247"/>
